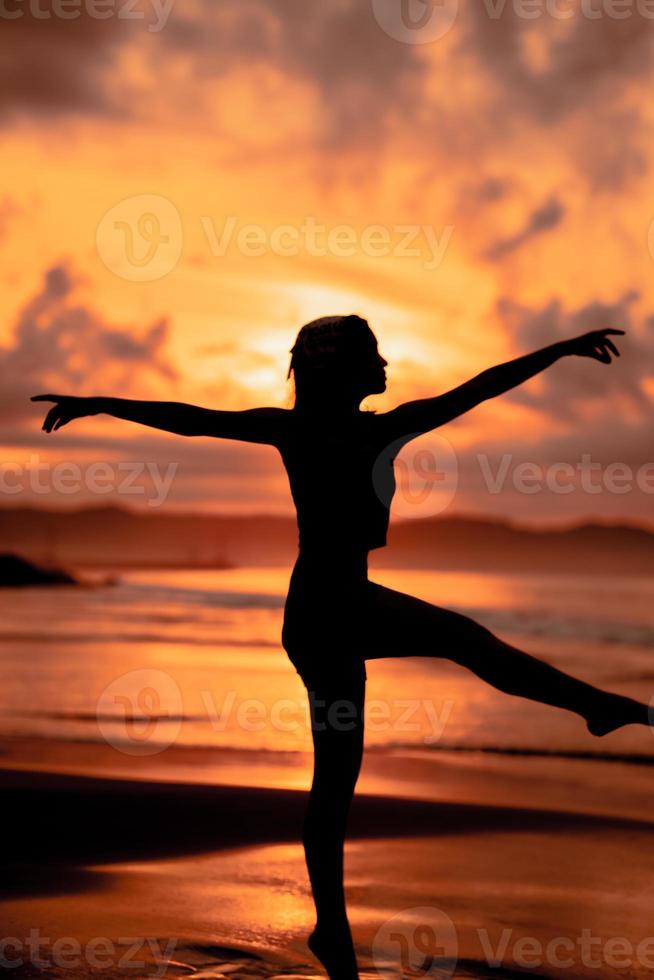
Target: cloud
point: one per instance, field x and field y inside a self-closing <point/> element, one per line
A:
<point x="544" y="218"/>
<point x="50" y="65"/>
<point x="489" y="190"/>
<point x="575" y="77"/>
<point x="361" y="90"/>
<point x="577" y="385"/>
<point x="587" y="59"/>
<point x="619" y="154"/>
<point x="360" y="75"/>
<point x="59" y="344"/>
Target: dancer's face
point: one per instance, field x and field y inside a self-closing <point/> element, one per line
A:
<point x="354" y="367"/>
<point x="371" y="368"/>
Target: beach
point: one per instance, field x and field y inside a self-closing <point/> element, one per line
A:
<point x="208" y="873"/>
<point x="487" y="838"/>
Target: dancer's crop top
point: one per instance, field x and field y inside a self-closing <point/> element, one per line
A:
<point x="342" y="482"/>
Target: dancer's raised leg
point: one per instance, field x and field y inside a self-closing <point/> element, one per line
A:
<point x="402" y="625"/>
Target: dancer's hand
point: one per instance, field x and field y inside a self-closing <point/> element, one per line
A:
<point x="595" y="344"/>
<point x="66" y="408"/>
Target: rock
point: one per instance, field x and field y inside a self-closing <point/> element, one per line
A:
<point x="17" y="571"/>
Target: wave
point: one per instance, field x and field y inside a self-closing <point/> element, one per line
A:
<point x="559" y="626"/>
<point x="534" y="622"/>
<point x="591" y="755"/>
<point x="412" y="748"/>
<point x="93" y="717"/>
<point x="524" y="625"/>
<point x="211" y="597"/>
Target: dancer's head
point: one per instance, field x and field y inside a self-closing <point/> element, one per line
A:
<point x="335" y="360"/>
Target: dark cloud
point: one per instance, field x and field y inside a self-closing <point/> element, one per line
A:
<point x="582" y="82"/>
<point x="578" y="383"/>
<point x="544" y="218"/>
<point x="366" y="83"/>
<point x="362" y="76"/>
<point x="490" y="190"/>
<point x="59" y="344"/>
<point x="591" y="60"/>
<point x="619" y="149"/>
<point x="49" y="64"/>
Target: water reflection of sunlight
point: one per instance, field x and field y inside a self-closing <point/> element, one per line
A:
<point x="449" y="587"/>
<point x="268" y="581"/>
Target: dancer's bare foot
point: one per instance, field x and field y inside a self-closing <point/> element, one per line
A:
<point x="334" y="948"/>
<point x="615" y="712"/>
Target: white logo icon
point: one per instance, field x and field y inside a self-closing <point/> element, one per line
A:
<point x="140" y="238"/>
<point x="140" y="713"/>
<point x="419" y="942"/>
<point x="415" y="21"/>
<point x="418" y="479"/>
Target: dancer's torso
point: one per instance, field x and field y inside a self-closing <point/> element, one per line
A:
<point x="341" y="479"/>
<point x="342" y="482"/>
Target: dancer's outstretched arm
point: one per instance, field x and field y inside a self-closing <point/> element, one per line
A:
<point x="264" y="425"/>
<point x="428" y="413"/>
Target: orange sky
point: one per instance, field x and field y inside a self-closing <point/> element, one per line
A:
<point x="510" y="157"/>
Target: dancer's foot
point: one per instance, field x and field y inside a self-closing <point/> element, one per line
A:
<point x="616" y="711"/>
<point x="334" y="948"/>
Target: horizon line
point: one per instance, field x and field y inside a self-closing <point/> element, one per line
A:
<point x="565" y="525"/>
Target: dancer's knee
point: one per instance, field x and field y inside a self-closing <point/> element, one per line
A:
<point x="336" y="703"/>
<point x="325" y="822"/>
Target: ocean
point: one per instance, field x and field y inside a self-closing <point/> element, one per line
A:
<point x="192" y="659"/>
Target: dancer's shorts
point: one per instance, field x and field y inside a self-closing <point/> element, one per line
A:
<point x="329" y="623"/>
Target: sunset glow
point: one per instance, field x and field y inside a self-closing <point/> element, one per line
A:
<point x="442" y="190"/>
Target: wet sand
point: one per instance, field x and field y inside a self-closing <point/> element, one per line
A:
<point x="208" y="880"/>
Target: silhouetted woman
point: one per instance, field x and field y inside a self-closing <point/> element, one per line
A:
<point x="336" y="618"/>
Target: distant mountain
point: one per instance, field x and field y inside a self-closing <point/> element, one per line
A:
<point x="486" y="545"/>
<point x="112" y="536"/>
<point x="117" y="536"/>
